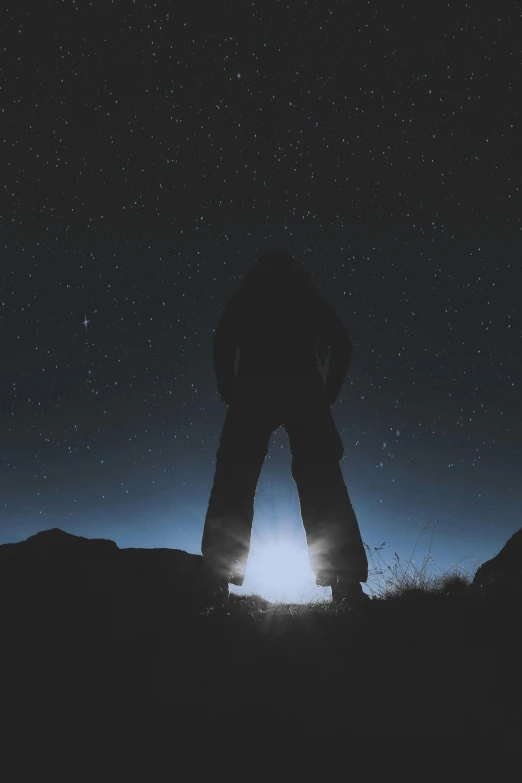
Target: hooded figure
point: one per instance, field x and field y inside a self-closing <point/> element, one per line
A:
<point x="283" y="330"/>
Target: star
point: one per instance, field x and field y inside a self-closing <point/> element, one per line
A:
<point x="85" y="322"/>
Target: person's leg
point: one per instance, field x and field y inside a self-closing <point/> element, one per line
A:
<point x="334" y="540"/>
<point x="228" y="523"/>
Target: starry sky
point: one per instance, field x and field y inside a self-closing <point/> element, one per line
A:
<point x="152" y="151"/>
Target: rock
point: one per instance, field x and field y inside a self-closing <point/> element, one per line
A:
<point x="57" y="543"/>
<point x="504" y="571"/>
<point x="66" y="583"/>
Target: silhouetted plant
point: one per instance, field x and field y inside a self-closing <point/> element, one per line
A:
<point x="405" y="579"/>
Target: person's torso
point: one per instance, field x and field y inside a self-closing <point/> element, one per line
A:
<point x="278" y="336"/>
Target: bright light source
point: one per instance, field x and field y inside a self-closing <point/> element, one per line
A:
<point x="279" y="570"/>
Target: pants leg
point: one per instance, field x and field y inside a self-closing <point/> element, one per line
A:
<point x="228" y="523"/>
<point x="332" y="531"/>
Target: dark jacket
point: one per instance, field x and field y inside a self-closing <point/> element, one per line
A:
<point x="279" y="338"/>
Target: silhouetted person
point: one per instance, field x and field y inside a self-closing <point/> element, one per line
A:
<point x="281" y="327"/>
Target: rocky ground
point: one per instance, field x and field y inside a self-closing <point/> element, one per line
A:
<point x="80" y="646"/>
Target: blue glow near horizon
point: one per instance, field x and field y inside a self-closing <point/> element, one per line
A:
<point x="278" y="567"/>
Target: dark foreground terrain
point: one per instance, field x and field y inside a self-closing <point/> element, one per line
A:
<point x="95" y="634"/>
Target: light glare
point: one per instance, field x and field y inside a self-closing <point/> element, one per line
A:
<point x="280" y="571"/>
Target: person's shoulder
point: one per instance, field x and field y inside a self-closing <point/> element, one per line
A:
<point x="235" y="307"/>
<point x="235" y="301"/>
<point x="323" y="306"/>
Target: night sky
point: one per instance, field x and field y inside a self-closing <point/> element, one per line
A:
<point x="152" y="151"/>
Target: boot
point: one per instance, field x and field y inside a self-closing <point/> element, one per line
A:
<point x="348" y="592"/>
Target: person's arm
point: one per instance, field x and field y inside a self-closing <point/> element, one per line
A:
<point x="334" y="333"/>
<point x="224" y="352"/>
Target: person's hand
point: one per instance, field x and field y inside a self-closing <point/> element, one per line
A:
<point x="227" y="392"/>
<point x="329" y="400"/>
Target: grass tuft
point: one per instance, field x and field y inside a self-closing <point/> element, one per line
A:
<point x="406" y="579"/>
<point x="403" y="580"/>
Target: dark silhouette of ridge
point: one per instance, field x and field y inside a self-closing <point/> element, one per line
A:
<point x="56" y="540"/>
<point x="65" y="587"/>
<point x="97" y="635"/>
<point x="504" y="571"/>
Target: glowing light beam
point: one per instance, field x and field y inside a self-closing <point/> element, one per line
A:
<point x="279" y="570"/>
